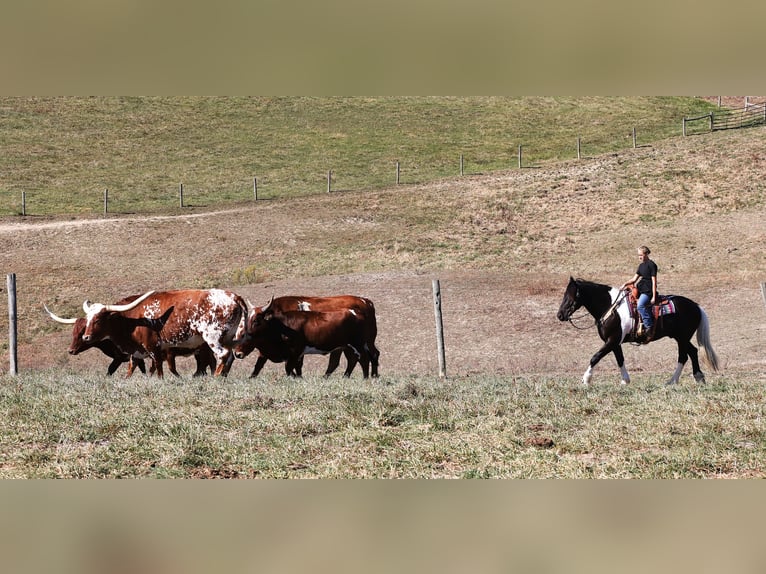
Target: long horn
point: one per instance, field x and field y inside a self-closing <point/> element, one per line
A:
<point x="119" y="308"/>
<point x="267" y="305"/>
<point x="57" y="318"/>
<point x="131" y="305"/>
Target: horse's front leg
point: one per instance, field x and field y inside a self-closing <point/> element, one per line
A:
<point x="612" y="345"/>
<point x="621" y="363"/>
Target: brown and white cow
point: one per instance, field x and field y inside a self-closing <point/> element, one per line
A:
<point x="204" y="356"/>
<point x="361" y="306"/>
<point x="286" y="336"/>
<point x="214" y="317"/>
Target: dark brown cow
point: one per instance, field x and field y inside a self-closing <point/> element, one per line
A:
<point x="289" y="335"/>
<point x="106" y="346"/>
<point x="215" y="317"/>
<point x="361" y="306"/>
<point x="204" y="356"/>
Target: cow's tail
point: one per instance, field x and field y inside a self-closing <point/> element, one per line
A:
<point x="370" y="336"/>
<point x="703" y="340"/>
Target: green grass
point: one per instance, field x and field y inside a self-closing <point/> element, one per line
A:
<point x="55" y="424"/>
<point x="63" y="152"/>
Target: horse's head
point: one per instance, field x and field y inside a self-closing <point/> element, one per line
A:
<point x="571" y="301"/>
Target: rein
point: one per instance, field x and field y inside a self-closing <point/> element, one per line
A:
<point x="586" y="314"/>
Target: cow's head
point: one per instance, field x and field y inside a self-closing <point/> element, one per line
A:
<point x="257" y="327"/>
<point x="98" y="316"/>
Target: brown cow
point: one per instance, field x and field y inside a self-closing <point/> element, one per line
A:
<point x="106" y="346"/>
<point x="215" y="317"/>
<point x="361" y="306"/>
<point x="287" y="336"/>
<point x="204" y="356"/>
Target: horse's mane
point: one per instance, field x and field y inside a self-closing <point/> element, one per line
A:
<point x="586" y="283"/>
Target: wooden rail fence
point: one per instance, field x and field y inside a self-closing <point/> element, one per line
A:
<point x="750" y="115"/>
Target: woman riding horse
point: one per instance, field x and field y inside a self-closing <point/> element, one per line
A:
<point x="614" y="321"/>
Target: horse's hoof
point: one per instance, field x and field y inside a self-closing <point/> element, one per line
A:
<point x="700" y="378"/>
<point x="670" y="383"/>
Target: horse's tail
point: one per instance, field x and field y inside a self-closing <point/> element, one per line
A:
<point x="703" y="340"/>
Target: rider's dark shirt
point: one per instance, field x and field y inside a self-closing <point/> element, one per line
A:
<point x="646" y="271"/>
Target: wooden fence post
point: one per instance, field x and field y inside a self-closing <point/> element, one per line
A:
<point x="763" y="292"/>
<point x="255" y="188"/>
<point x="397" y="172"/>
<point x="439" y="327"/>
<point x="578" y="148"/>
<point x="181" y="195"/>
<point x="329" y="181"/>
<point x="24" y="203"/>
<point x="461" y="164"/>
<point x="519" y="157"/>
<point x="634" y="138"/>
<point x="12" y="324"/>
<point x="106" y="201"/>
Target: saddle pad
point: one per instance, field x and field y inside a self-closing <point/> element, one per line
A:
<point x="666" y="307"/>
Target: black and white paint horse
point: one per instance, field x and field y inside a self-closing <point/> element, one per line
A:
<point x="615" y="324"/>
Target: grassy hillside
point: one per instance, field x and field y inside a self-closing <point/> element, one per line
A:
<point x="63" y="152"/>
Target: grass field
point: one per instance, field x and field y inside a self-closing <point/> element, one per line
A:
<point x="59" y="424"/>
<point x="504" y="244"/>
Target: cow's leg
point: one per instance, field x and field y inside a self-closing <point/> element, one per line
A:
<point x="352" y="358"/>
<point x="374" y="354"/>
<point x="226" y="358"/>
<point x="333" y="362"/>
<point x="259" y="363"/>
<point x="113" y="366"/>
<point x="139" y="362"/>
<point x="170" y="357"/>
<point x="157" y="362"/>
<point x="294" y="364"/>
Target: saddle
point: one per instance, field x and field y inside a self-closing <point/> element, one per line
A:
<point x="663" y="306"/>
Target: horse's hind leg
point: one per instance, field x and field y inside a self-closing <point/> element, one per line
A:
<point x="683" y="356"/>
<point x="699" y="376"/>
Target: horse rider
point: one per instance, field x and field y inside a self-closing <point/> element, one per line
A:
<point x="645" y="282"/>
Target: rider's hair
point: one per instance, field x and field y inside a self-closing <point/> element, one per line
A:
<point x="645" y="249"/>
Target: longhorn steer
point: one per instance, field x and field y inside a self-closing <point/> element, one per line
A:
<point x="204" y="356"/>
<point x="106" y="346"/>
<point x="289" y="335"/>
<point x="362" y="307"/>
<point x="214" y="317"/>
